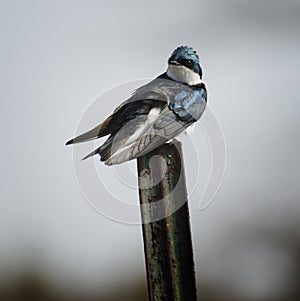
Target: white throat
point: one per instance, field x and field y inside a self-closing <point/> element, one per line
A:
<point x="183" y="75"/>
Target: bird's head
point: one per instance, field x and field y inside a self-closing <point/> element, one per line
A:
<point x="184" y="66"/>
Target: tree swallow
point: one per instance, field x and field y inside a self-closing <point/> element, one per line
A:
<point x="155" y="113"/>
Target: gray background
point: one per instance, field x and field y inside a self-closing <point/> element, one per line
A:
<point x="56" y="57"/>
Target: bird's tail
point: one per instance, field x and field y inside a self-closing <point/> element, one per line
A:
<point x="96" y="151"/>
<point x="104" y="151"/>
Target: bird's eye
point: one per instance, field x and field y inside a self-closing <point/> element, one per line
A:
<point x="188" y="63"/>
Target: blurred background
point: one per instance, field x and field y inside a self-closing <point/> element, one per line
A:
<point x="58" y="56"/>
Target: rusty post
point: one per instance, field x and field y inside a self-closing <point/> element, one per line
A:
<point x="166" y="228"/>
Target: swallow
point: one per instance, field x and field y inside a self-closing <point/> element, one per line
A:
<point x="155" y="113"/>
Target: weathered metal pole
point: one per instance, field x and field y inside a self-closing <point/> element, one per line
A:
<point x="166" y="228"/>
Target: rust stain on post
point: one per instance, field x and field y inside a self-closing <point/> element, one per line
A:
<point x="166" y="227"/>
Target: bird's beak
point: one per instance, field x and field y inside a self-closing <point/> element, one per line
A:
<point x="174" y="63"/>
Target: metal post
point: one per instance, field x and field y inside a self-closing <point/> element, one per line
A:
<point x="166" y="228"/>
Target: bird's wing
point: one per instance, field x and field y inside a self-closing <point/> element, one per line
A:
<point x="154" y="91"/>
<point x="185" y="107"/>
<point x="165" y="127"/>
<point x="130" y="122"/>
<point x="98" y="131"/>
<point x="127" y="111"/>
<point x="189" y="103"/>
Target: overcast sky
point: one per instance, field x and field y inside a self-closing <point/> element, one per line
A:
<point x="57" y="57"/>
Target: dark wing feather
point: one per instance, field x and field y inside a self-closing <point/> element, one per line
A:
<point x="156" y="92"/>
<point x="166" y="127"/>
<point x="100" y="130"/>
<point x="130" y="118"/>
<point x="122" y="115"/>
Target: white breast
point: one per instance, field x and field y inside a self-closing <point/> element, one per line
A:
<point x="183" y="75"/>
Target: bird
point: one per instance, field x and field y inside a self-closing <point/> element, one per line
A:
<point x="155" y="113"/>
